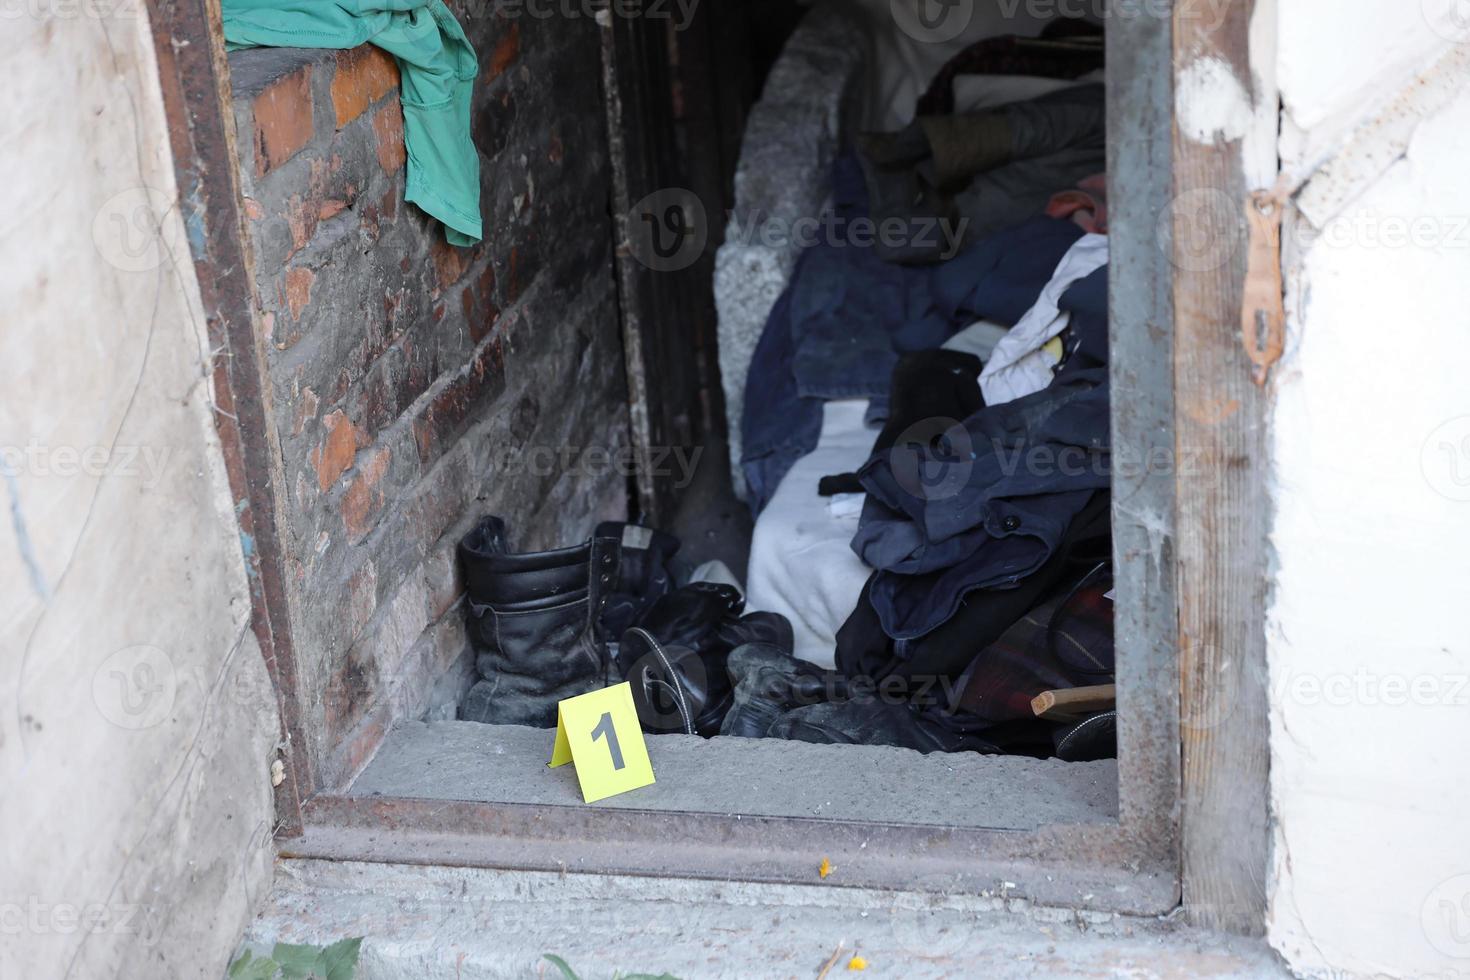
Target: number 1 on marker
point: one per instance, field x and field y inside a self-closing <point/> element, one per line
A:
<point x="605" y="727"/>
<point x="607" y="716"/>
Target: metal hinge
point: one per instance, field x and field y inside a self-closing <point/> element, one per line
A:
<point x="1262" y="309"/>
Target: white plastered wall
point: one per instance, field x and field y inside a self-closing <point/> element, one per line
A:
<point x="137" y="724"/>
<point x="1369" y="625"/>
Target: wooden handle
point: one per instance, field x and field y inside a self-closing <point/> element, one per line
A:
<point x="1071" y="702"/>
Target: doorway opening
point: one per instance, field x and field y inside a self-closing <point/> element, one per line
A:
<point x="408" y="389"/>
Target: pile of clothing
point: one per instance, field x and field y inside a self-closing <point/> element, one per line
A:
<point x="926" y="448"/>
<point x="551" y="625"/>
<point x="982" y="537"/>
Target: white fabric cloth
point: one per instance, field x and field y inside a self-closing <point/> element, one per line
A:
<point x="1018" y="366"/>
<point x="979" y="338"/>
<point x="910" y="40"/>
<point x="846" y="505"/>
<point x="801" y="565"/>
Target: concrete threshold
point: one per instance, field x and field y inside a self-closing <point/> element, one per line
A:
<point x="466" y="761"/>
<point x="477" y="924"/>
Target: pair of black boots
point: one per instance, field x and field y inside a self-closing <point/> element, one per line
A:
<point x="555" y="624"/>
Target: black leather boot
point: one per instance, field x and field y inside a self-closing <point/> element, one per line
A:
<point x="769" y="682"/>
<point x="541" y="621"/>
<point x="872" y="720"/>
<point x="675" y="658"/>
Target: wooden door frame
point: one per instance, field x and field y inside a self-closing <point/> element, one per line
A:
<point x="1190" y="547"/>
<point x="1221" y="362"/>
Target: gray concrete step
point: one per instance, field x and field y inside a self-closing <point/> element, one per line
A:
<point x="423" y="923"/>
<point x="462" y="760"/>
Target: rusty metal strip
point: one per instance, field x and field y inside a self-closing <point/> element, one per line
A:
<point x="195" y="80"/>
<point x="1262" y="310"/>
<point x="1099" y="866"/>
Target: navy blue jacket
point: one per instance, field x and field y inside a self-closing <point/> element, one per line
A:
<point x="837" y="330"/>
<point x="985" y="505"/>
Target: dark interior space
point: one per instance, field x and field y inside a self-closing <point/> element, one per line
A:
<point x="684" y="414"/>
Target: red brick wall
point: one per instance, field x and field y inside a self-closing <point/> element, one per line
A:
<point x="405" y="373"/>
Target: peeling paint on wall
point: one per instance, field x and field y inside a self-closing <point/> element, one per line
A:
<point x="1210" y="103"/>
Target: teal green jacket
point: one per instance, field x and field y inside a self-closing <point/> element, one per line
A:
<point x="437" y="70"/>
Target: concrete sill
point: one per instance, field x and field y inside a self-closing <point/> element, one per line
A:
<point x="469" y="762"/>
<point x="466" y="795"/>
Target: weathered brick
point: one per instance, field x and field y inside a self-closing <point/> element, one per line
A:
<point x="441" y="655"/>
<point x="388" y="131"/>
<point x="328" y="192"/>
<point x="442" y="498"/>
<point x="507" y="50"/>
<point x="497" y="125"/>
<point x="449" y="263"/>
<point x="437" y="358"/>
<point x="283" y="120"/>
<point x="376" y="213"/>
<point x="306" y="495"/>
<point x="298" y="289"/>
<point x="364" y="75"/>
<point x="441" y="577"/>
<point x="478" y="302"/>
<point x="390" y="387"/>
<point x="353" y="748"/>
<point x="379" y="395"/>
<point x="524" y="416"/>
<point x="454" y="406"/>
<point x="395" y="303"/>
<point x="362" y="503"/>
<point x="406" y="616"/>
<point x="349" y="692"/>
<point x="513" y="282"/>
<point x="306" y="405"/>
<point x="421" y="362"/>
<point x="374" y="666"/>
<point x="337" y="451"/>
<point x="362" y="598"/>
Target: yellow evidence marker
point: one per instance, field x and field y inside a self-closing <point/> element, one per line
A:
<point x="599" y="733"/>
